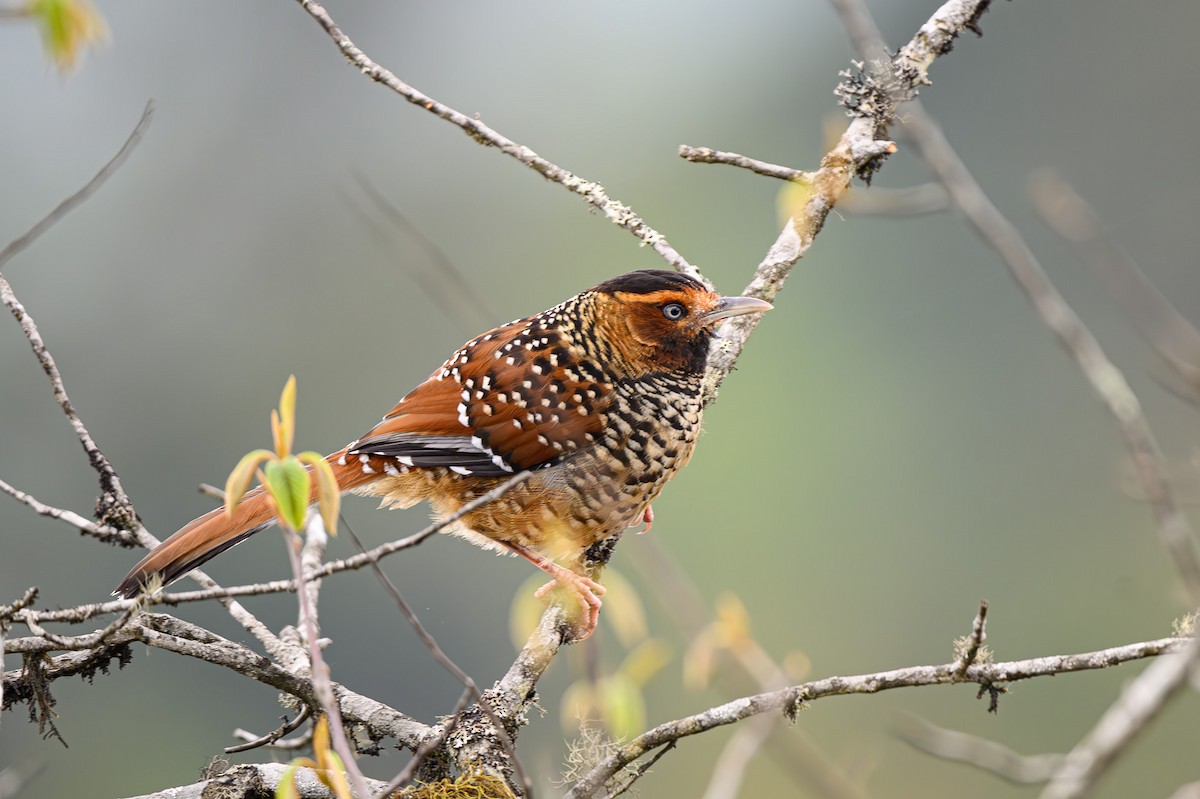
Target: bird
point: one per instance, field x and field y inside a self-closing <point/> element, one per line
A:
<point x="599" y="398"/>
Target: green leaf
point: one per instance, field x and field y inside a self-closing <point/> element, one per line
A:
<point x="68" y="27"/>
<point x="239" y="479"/>
<point x="329" y="493"/>
<point x="287" y="480"/>
<point x="284" y="423"/>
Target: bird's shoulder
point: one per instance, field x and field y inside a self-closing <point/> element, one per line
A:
<point x="520" y="396"/>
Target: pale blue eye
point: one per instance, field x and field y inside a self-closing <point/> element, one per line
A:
<point x="674" y="311"/>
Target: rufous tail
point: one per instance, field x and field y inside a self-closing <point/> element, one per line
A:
<point x="208" y="536"/>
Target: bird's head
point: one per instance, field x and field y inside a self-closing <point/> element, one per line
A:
<point x="658" y="320"/>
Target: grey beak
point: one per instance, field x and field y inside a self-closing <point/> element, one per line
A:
<point x="736" y="306"/>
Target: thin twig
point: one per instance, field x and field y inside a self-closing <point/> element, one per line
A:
<point x="974" y="642"/>
<point x="731" y="765"/>
<point x="680" y="597"/>
<point x="641" y="770"/>
<point x="472" y="688"/>
<point x="101" y="532"/>
<point x="445" y="284"/>
<point x="25" y="600"/>
<point x="859" y="151"/>
<point x="71" y="203"/>
<point x="1175" y="338"/>
<point x="79" y="642"/>
<point x="175" y="635"/>
<point x="981" y="753"/>
<point x="113" y="506"/>
<point x="1105" y="378"/>
<point x="322" y="684"/>
<point x="430" y="745"/>
<point x="593" y="193"/>
<point x="83" y="612"/>
<point x="707" y="155"/>
<point x="997" y="231"/>
<point x="272" y="738"/>
<point x="791" y="699"/>
<point x="1142" y="699"/>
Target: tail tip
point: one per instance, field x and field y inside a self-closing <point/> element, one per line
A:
<point x="130" y="587"/>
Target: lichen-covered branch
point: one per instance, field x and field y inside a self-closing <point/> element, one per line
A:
<point x="989" y="676"/>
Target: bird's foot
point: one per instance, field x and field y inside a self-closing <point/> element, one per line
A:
<point x="648" y="518"/>
<point x="585" y="589"/>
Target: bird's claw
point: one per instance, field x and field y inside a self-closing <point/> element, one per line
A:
<point x="586" y="590"/>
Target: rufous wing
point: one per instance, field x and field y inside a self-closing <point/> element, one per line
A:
<point x="510" y="400"/>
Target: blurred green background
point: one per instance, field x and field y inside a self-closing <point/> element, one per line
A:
<point x="903" y="436"/>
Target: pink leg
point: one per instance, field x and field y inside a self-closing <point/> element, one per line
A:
<point x="587" y="590"/>
<point x="648" y="518"/>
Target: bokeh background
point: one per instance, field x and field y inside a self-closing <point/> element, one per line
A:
<point x="902" y="439"/>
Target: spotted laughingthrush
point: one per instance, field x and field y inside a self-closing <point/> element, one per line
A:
<point x="599" y="397"/>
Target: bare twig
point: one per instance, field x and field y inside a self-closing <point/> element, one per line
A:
<point x="98" y="531"/>
<point x="445" y="283"/>
<point x="858" y="152"/>
<point x="212" y="491"/>
<point x="468" y="683"/>
<point x="322" y="685"/>
<point x="731" y="765"/>
<point x="707" y="155"/>
<point x="1140" y="703"/>
<point x="113" y="506"/>
<point x="790" y="699"/>
<point x="593" y="193"/>
<point x="974" y="642"/>
<point x="998" y="232"/>
<point x="978" y="752"/>
<point x="71" y="203"/>
<point x="1106" y="379"/>
<point x="272" y="738"/>
<point x="81" y="613"/>
<point x="430" y="745"/>
<point x="80" y="642"/>
<point x="641" y="770"/>
<point x="25" y="600"/>
<point x="1175" y="338"/>
<point x="175" y="635"/>
<point x="1146" y="695"/>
